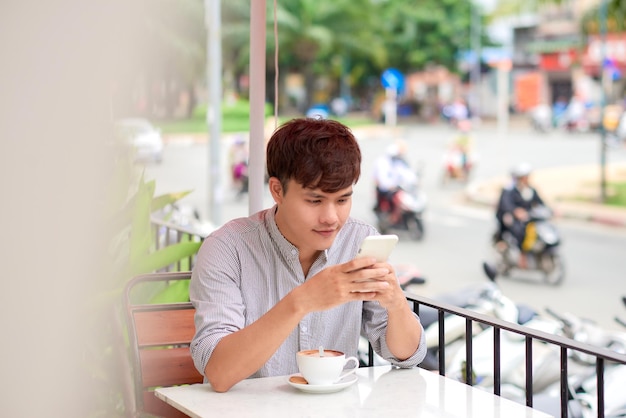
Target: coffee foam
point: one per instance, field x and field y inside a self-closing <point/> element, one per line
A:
<point x="316" y="353"/>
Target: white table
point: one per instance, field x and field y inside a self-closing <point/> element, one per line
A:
<point x="379" y="392"/>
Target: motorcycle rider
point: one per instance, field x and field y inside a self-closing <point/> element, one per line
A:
<point x="459" y="156"/>
<point x="515" y="202"/>
<point x="391" y="171"/>
<point x="238" y="160"/>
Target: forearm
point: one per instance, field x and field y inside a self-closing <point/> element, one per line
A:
<point x="239" y="355"/>
<point x="403" y="332"/>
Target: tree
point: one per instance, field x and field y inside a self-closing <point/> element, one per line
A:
<point x="515" y="7"/>
<point x="235" y="43"/>
<point x="615" y="18"/>
<point x="433" y="33"/>
<point x="347" y="41"/>
<point x="311" y="32"/>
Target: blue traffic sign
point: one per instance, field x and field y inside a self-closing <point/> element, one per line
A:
<point x="393" y="79"/>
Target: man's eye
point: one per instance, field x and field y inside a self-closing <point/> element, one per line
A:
<point x="314" y="202"/>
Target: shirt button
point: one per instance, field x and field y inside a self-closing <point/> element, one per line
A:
<point x="304" y="328"/>
<point x="293" y="252"/>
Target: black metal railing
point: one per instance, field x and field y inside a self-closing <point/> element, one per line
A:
<point x="565" y="345"/>
<point x="166" y="234"/>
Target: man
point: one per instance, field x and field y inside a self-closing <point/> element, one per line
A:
<point x="513" y="207"/>
<point x="286" y="278"/>
<point x="459" y="158"/>
<point x="391" y="172"/>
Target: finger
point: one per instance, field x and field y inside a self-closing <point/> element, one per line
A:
<point x="364" y="295"/>
<point x="370" y="286"/>
<point x="366" y="274"/>
<point x="358" y="263"/>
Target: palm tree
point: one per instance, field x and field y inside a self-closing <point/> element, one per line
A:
<point x="434" y="32"/>
<point x="615" y="18"/>
<point x="235" y="42"/>
<point x="312" y="32"/>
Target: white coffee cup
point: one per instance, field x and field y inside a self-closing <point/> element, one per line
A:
<point x="326" y="369"/>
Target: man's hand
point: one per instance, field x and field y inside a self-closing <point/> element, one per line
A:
<point x="359" y="279"/>
<point x="391" y="296"/>
<point x="520" y="214"/>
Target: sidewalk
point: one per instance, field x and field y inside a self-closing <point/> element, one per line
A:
<point x="570" y="191"/>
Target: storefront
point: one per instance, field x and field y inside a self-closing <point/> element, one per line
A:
<point x="612" y="51"/>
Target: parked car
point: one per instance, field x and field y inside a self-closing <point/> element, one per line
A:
<point x="144" y="139"/>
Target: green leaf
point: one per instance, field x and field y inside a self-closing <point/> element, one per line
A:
<point x="140" y="239"/>
<point x="164" y="257"/>
<point x="175" y="292"/>
<point x="162" y="201"/>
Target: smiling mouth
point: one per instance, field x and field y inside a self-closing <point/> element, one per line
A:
<point x="326" y="232"/>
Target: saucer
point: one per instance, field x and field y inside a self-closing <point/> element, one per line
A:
<point x="333" y="387"/>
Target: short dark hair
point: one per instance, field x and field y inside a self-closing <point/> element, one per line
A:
<point x="316" y="153"/>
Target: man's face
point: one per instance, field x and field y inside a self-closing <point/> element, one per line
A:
<point x="523" y="181"/>
<point x="310" y="219"/>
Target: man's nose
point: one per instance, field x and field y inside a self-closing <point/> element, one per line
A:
<point x="329" y="215"/>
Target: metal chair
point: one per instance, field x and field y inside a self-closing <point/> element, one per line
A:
<point x="159" y="338"/>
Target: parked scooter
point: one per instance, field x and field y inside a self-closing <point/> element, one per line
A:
<point x="618" y="319"/>
<point x="541" y="118"/>
<point x="408" y="276"/>
<point x="543" y="257"/>
<point x="486" y="299"/>
<point x="180" y="217"/>
<point x="582" y="382"/>
<point x="512" y="347"/>
<point x="411" y="202"/>
<point x="546" y="359"/>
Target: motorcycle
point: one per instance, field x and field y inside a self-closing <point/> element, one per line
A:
<point x="618" y="319"/>
<point x="546" y="358"/>
<point x="582" y="386"/>
<point x="408" y="276"/>
<point x="411" y="202"/>
<point x="457" y="164"/>
<point x="543" y="257"/>
<point x="240" y="178"/>
<point x="485" y="298"/>
<point x="541" y="118"/>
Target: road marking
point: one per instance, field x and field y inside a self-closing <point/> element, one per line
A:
<point x="457" y="216"/>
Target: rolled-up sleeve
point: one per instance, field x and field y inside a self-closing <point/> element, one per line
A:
<point x="374" y="328"/>
<point x="214" y="292"/>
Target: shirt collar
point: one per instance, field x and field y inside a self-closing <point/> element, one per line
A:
<point x="284" y="245"/>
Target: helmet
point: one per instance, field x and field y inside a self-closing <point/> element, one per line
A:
<point x="397" y="149"/>
<point x="521" y="170"/>
<point x="392" y="150"/>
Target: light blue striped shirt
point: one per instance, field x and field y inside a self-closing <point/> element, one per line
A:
<point x="244" y="268"/>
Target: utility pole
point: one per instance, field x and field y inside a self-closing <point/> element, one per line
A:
<point x="213" y="16"/>
<point x="603" y="81"/>
<point x="256" y="166"/>
<point x="475" y="71"/>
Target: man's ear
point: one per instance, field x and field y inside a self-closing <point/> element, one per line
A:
<point x="276" y="189"/>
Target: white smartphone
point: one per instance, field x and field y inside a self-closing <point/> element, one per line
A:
<point x="379" y="246"/>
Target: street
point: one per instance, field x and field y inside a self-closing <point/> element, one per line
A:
<point x="458" y="232"/>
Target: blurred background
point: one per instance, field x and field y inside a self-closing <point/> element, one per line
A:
<point x="99" y="98"/>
